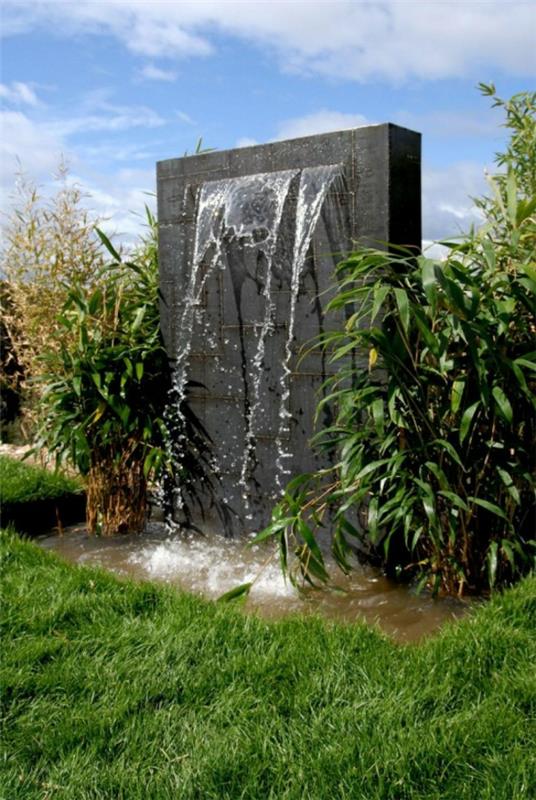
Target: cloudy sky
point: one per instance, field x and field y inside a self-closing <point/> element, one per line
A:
<point x="115" y="86"/>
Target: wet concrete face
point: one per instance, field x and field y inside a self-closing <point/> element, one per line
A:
<point x="260" y="299"/>
<point x="212" y="565"/>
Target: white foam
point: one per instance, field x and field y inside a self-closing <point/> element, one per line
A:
<point x="213" y="567"/>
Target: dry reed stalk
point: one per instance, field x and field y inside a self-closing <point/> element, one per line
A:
<point x="49" y="244"/>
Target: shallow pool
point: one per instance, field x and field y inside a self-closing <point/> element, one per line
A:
<point x="212" y="565"/>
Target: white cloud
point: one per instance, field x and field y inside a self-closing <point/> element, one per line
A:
<point x="119" y="200"/>
<point x="39" y="149"/>
<point x="394" y="41"/>
<point x="153" y="73"/>
<point x="451" y="124"/>
<point x="434" y="250"/>
<point x="119" y="152"/>
<point x="152" y="35"/>
<point x="19" y="93"/>
<point x="245" y="141"/>
<point x="122" y="119"/>
<point x="184" y="117"/>
<point x="150" y="29"/>
<point x="448" y="210"/>
<point x="322" y="121"/>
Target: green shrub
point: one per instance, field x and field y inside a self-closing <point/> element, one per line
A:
<point x="436" y="440"/>
<point x="106" y="389"/>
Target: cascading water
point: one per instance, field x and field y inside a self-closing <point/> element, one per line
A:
<point x="315" y="183"/>
<point x="239" y="231"/>
<point x="252" y="217"/>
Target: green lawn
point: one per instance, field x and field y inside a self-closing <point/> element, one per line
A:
<point x="34" y="500"/>
<point x="113" y="689"/>
<point x="21" y="482"/>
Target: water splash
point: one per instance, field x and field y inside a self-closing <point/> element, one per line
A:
<point x="211" y="565"/>
<point x="214" y="566"/>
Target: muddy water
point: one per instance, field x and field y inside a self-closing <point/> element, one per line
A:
<point x="213" y="565"/>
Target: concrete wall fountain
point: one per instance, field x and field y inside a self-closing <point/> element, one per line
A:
<point x="248" y="243"/>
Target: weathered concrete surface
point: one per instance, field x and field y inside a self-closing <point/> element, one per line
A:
<point x="380" y="203"/>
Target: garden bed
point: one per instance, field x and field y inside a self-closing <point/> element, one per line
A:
<point x="35" y="500"/>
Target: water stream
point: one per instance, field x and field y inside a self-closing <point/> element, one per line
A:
<point x="239" y="230"/>
<point x="315" y="183"/>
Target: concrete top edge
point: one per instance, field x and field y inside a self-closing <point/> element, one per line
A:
<point x="304" y="139"/>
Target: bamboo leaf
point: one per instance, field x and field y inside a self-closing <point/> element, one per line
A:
<point x="380" y="293"/>
<point x="454" y="498"/>
<point x="307" y="535"/>
<point x="148" y="462"/>
<point x="283" y="554"/>
<point x="436" y="470"/>
<point x="508" y="551"/>
<point x="372" y="520"/>
<point x="511" y="197"/>
<point x="350" y="529"/>
<point x="274" y="528"/>
<point x="509" y="483"/>
<point x="402" y="302"/>
<point x="457" y="394"/>
<point x="372" y="358"/>
<point x="378" y="414"/>
<point x="99" y="412"/>
<point x="423" y="324"/>
<point x="492" y="563"/>
<point x="451" y="450"/>
<point x="492" y="507"/>
<point x="467" y="419"/>
<point x="503" y="404"/>
<point x="454" y="293"/>
<point x="140" y="313"/>
<point x="525" y="209"/>
<point x="368" y="468"/>
<point x="237" y="592"/>
<point x="108" y="245"/>
<point x="428" y="278"/>
<point x="530" y="271"/>
<point x="526" y="362"/>
<point x="415" y="540"/>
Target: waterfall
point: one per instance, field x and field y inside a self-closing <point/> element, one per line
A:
<point x="238" y="222"/>
<point x="315" y="183"/>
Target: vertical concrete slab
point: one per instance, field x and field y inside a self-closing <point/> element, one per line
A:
<point x="380" y="203"/>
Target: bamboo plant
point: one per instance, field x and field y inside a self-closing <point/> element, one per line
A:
<point x="436" y="440"/>
<point x="106" y="388"/>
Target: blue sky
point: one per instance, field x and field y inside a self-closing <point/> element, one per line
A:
<point x="115" y="86"/>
